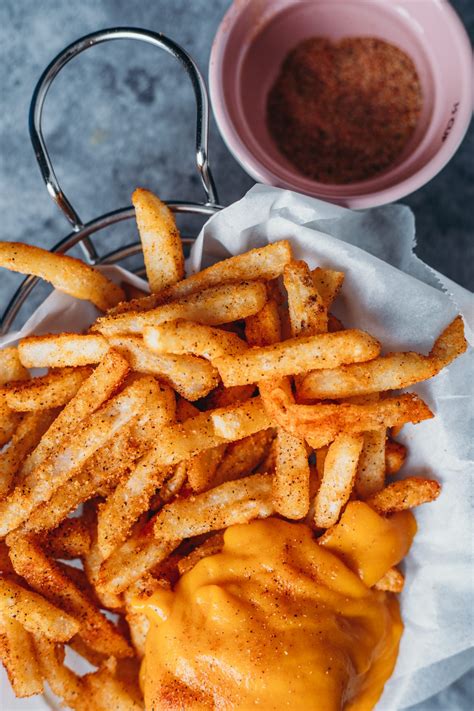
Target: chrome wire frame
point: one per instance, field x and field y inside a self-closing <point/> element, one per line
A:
<point x="82" y="232"/>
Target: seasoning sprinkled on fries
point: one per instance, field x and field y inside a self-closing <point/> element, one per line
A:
<point x="222" y="398"/>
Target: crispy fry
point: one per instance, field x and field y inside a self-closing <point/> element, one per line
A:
<point x="328" y="283"/>
<point x="395" y="455"/>
<point x="64" y="349"/>
<point x="94" y="391"/>
<point x="264" y="327"/>
<point x="230" y="503"/>
<point x="190" y="376"/>
<point x="160" y="238"/>
<point x="215" y="306"/>
<point x="36" y="614"/>
<point x="62" y="681"/>
<point x="390" y="372"/>
<point x="291" y="479"/>
<point x="17" y="652"/>
<point x="132" y="495"/>
<point x="9" y="421"/>
<point x="174" y="484"/>
<point x="308" y="313"/>
<point x="223" y="397"/>
<point x="234" y="423"/>
<point x="46" y="577"/>
<point x="110" y="692"/>
<point x="71" y="539"/>
<point x="340" y="469"/>
<point x="99" y="429"/>
<point x="242" y="457"/>
<point x="65" y="273"/>
<point x="296" y="355"/>
<point x="393" y="581"/>
<point x="263" y="263"/>
<point x="25" y="438"/>
<point x="49" y="391"/>
<point x="186" y="337"/>
<point x="211" y="546"/>
<point x="405" y="494"/>
<point x="10" y="366"/>
<point x="370" y="476"/>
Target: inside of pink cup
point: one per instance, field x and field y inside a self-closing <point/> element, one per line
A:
<point x="268" y="45"/>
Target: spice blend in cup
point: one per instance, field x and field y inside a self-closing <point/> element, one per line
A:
<point x="344" y="111"/>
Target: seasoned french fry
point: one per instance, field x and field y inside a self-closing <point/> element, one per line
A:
<point x="103" y="382"/>
<point x="190" y="376"/>
<point x="390" y="372"/>
<point x="262" y="263"/>
<point x="25" y="438"/>
<point x="230" y="503"/>
<point x="160" y="238"/>
<point x="132" y="495"/>
<point x="291" y="479"/>
<point x="242" y="457"/>
<point x="17" y="652"/>
<point x="186" y="337"/>
<point x="340" y="469"/>
<point x="308" y="313"/>
<point x="110" y="692"/>
<point x="174" y="484"/>
<point x="395" y="455"/>
<point x="264" y="327"/>
<point x="65" y="273"/>
<point x="47" y="392"/>
<point x="296" y="355"/>
<point x="36" y="614"/>
<point x="211" y="546"/>
<point x="328" y="283"/>
<point x="62" y="350"/>
<point x="10" y="366"/>
<point x="62" y="681"/>
<point x="240" y="421"/>
<point x="215" y="306"/>
<point x="393" y="581"/>
<point x="71" y="539"/>
<point x="99" y="429"/>
<point x="46" y="577"/>
<point x="320" y="424"/>
<point x="405" y="494"/>
<point x="9" y="421"/>
<point x="370" y="476"/>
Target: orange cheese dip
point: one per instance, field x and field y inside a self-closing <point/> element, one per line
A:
<point x="279" y="621"/>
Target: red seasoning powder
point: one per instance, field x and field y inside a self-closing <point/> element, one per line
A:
<point x="342" y="112"/>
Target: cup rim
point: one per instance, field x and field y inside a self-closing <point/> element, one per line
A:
<point x="358" y="198"/>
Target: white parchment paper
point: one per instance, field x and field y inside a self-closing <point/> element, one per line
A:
<point x="389" y="292"/>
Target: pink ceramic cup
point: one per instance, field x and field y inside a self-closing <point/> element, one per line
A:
<point x="255" y="36"/>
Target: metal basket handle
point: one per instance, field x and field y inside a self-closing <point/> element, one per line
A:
<point x="52" y="71"/>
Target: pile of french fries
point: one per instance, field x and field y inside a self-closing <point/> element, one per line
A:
<point x="229" y="395"/>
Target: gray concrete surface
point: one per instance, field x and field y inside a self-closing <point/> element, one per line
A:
<point x="122" y="115"/>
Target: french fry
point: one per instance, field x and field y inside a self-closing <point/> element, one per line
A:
<point x="62" y="350"/>
<point x="71" y="539"/>
<point x="25" y="438"/>
<point x="264" y="327"/>
<point x="395" y="455"/>
<point x="390" y="372"/>
<point x="9" y="421"/>
<point x="296" y="355"/>
<point x="132" y="495"/>
<point x="62" y="681"/>
<point x="262" y="263"/>
<point x="223" y="397"/>
<point x="184" y="337"/>
<point x="140" y="554"/>
<point x="94" y="391"/>
<point x="393" y="581"/>
<point x="370" y="476"/>
<point x="174" y="484"/>
<point x="291" y="478"/>
<point x="190" y="376"/>
<point x="99" y="429"/>
<point x="66" y="274"/>
<point x="233" y="423"/>
<point x="230" y="503"/>
<point x="110" y="692"/>
<point x="211" y="546"/>
<point x="47" y="578"/>
<point x="10" y="366"/>
<point x="215" y="306"/>
<point x="328" y="284"/>
<point x="160" y="238"/>
<point x="308" y="313"/>
<point x="17" y="652"/>
<point x="36" y="614"/>
<point x="405" y="494"/>
<point x="47" y="392"/>
<point x="242" y="457"/>
<point x="339" y="473"/>
<point x="320" y="424"/>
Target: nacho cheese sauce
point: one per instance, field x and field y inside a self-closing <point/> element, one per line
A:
<point x="274" y="621"/>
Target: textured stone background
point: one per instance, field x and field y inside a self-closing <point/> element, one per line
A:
<point x="122" y="115"/>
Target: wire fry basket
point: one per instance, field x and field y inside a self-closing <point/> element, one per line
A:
<point x="82" y="233"/>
